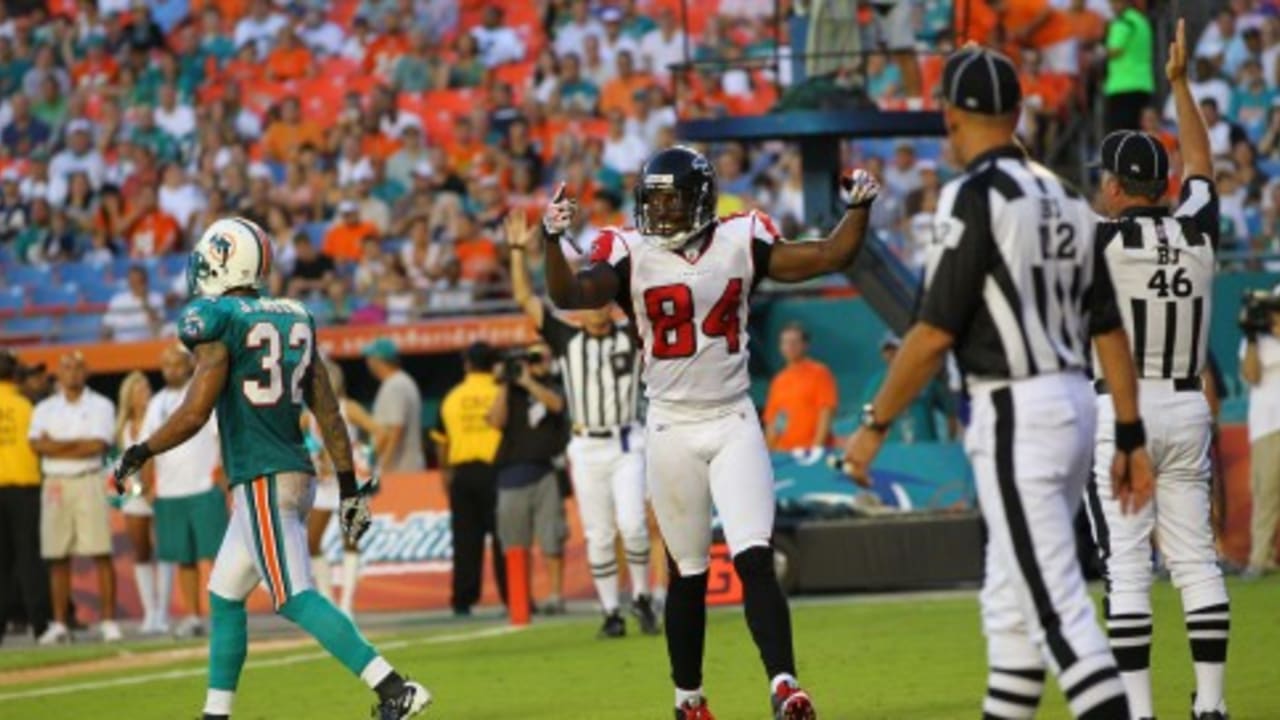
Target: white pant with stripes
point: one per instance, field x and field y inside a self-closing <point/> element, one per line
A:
<point x="1178" y="425"/>
<point x="266" y="540"/>
<point x="1030" y="443"/>
<point x="608" y="482"/>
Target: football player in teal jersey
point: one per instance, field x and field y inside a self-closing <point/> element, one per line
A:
<point x="256" y="363"/>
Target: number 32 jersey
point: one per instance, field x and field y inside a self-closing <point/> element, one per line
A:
<point x="690" y="306"/>
<point x="270" y="348"/>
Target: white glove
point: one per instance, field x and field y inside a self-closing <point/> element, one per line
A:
<point x="558" y="216"/>
<point x="858" y="189"/>
<point x="354" y="518"/>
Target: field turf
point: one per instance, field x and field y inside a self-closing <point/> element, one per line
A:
<point x="864" y="658"/>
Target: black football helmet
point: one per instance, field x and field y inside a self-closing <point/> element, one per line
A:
<point x="675" y="197"/>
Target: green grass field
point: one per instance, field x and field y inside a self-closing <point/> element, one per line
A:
<point x="861" y="658"/>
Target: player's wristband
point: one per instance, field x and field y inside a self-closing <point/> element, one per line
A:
<point x="347" y="483"/>
<point x="1130" y="436"/>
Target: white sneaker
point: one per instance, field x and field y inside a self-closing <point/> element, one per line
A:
<point x="110" y="631"/>
<point x="190" y="627"/>
<point x="55" y="634"/>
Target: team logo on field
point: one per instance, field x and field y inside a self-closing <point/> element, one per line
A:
<point x="222" y="247"/>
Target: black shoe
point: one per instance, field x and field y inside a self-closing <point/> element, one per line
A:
<point x="410" y="701"/>
<point x="642" y="609"/>
<point x="552" y="607"/>
<point x="613" y="627"/>
<point x="1210" y="715"/>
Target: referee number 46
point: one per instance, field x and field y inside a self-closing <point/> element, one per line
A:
<point x="1168" y="281"/>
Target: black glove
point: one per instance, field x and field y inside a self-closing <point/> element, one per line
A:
<point x="134" y="457"/>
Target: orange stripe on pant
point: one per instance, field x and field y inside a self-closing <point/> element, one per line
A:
<point x="267" y="532"/>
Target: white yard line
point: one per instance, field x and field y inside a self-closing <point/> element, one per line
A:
<point x="272" y="662"/>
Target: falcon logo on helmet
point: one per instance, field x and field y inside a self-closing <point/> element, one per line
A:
<point x="232" y="253"/>
<point x="675" y="197"/>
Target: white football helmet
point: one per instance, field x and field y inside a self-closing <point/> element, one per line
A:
<point x="232" y="253"/>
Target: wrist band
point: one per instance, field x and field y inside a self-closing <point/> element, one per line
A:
<point x="1130" y="436"/>
<point x="347" y="483"/>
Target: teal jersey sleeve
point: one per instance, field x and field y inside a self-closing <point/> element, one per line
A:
<point x="203" y="320"/>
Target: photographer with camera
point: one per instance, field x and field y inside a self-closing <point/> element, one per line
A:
<point x="529" y="410"/>
<point x="1260" y="366"/>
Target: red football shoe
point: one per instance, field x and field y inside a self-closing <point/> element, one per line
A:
<point x="791" y="702"/>
<point x="695" y="709"/>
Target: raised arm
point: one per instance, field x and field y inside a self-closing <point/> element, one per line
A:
<point x="794" y="262"/>
<point x="593" y="287"/>
<point x="1193" y="138"/>
<point x="318" y="394"/>
<point x="518" y="235"/>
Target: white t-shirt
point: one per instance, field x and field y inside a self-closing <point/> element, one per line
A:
<point x="178" y="123"/>
<point x="126" y="316"/>
<point x="1264" y="398"/>
<point x="323" y="39"/>
<point x="187" y="469"/>
<point x="181" y="202"/>
<point x="499" y="45"/>
<point x="92" y="417"/>
<point x="625" y="154"/>
<point x="261" y="33"/>
<point x="657" y="52"/>
<point x="571" y="37"/>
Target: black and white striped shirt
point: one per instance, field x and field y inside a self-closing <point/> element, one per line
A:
<point x="599" y="373"/>
<point x="1161" y="268"/>
<point x="1011" y="270"/>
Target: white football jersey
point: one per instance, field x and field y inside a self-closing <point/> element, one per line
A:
<point x="690" y="307"/>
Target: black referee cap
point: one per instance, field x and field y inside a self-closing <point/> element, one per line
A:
<point x="982" y="81"/>
<point x="1134" y="155"/>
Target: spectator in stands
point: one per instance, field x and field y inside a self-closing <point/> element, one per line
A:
<point x="25" y="134"/>
<point x="422" y="259"/>
<point x="397" y="409"/>
<point x="624" y="150"/>
<point x="1130" y="81"/>
<point x="151" y="232"/>
<point x="476" y="251"/>
<point x="1232" y="196"/>
<point x="529" y="411"/>
<point x="663" y="46"/>
<point x="71" y="431"/>
<point x="371" y="266"/>
<point x="98" y="69"/>
<point x="399" y="298"/>
<point x="1088" y="26"/>
<point x="180" y="198"/>
<point x="451" y="292"/>
<point x="614" y="41"/>
<point x="142" y="32"/>
<point x="802" y="397"/>
<point x="902" y="176"/>
<point x="13" y="66"/>
<point x="571" y="36"/>
<point x="289" y="59"/>
<point x="372" y="209"/>
<point x="134" y="313"/>
<point x="626" y="87"/>
<point x="343" y="241"/>
<point x="14" y="210"/>
<point x="592" y="64"/>
<point x="319" y="33"/>
<point x="1251" y="100"/>
<point x="259" y="28"/>
<point x="419" y="69"/>
<point x="497" y="43"/>
<point x="291" y="131"/>
<point x="655" y="115"/>
<point x="336" y="307"/>
<point x="1260" y="367"/>
<point x="79" y="156"/>
<point x="467" y="69"/>
<point x="21" y="569"/>
<point x="918" y="423"/>
<point x="45" y="68"/>
<point x="1222" y="133"/>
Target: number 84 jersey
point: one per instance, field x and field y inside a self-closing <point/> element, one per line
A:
<point x="690" y="306"/>
<point x="270" y="348"/>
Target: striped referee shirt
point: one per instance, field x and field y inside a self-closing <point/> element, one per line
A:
<point x="599" y="373"/>
<point x="1011" y="271"/>
<point x="1161" y="267"/>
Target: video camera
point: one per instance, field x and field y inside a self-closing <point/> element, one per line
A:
<point x="513" y="362"/>
<point x="1256" y="309"/>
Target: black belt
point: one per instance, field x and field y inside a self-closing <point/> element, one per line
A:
<point x="1191" y="384"/>
<point x="599" y="434"/>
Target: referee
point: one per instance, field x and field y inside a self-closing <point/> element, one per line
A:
<point x="1162" y="269"/>
<point x="598" y="365"/>
<point x="1010" y="287"/>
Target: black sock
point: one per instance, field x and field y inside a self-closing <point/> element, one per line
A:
<point x="207" y="716"/>
<point x="390" y="687"/>
<point x="685" y="618"/>
<point x="768" y="616"/>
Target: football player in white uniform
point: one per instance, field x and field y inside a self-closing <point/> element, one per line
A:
<point x="685" y="277"/>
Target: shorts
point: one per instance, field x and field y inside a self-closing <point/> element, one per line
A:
<point x="892" y="23"/>
<point x="73" y="516"/>
<point x="190" y="527"/>
<point x="326" y="495"/>
<point x="533" y="511"/>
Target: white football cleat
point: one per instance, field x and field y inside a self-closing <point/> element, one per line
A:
<point x="110" y="631"/>
<point x="412" y="700"/>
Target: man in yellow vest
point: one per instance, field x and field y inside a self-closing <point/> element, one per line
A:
<point x="22" y="572"/>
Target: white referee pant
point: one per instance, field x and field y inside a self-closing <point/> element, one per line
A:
<point x="1030" y="443"/>
<point x="607" y="469"/>
<point x="1179" y="429"/>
